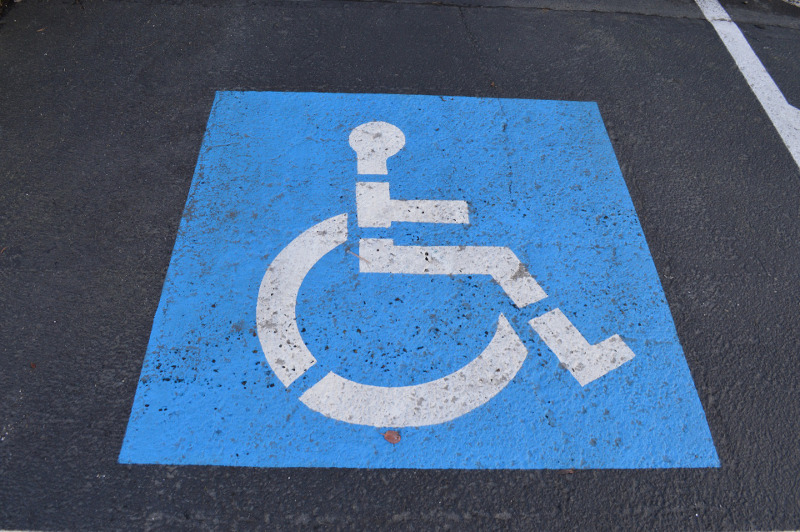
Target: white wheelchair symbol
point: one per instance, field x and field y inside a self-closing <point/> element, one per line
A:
<point x="442" y="399"/>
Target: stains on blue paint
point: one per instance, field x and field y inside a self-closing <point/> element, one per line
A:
<point x="540" y="177"/>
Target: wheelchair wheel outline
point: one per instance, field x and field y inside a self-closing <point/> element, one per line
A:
<point x="345" y="400"/>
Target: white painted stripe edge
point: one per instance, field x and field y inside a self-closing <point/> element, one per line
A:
<point x="784" y="116"/>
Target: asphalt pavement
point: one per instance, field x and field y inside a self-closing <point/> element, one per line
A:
<point x="104" y="108"/>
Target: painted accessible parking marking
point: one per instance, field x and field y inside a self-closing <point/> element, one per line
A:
<point x="468" y="272"/>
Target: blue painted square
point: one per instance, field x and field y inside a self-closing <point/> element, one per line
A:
<point x="540" y="177"/>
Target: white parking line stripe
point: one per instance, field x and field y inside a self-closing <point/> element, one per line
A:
<point x="785" y="117"/>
